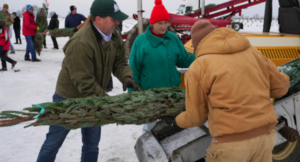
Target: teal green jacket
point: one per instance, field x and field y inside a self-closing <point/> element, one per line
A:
<point x="153" y="60"/>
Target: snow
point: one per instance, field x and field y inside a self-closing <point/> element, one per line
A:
<point x="35" y="83"/>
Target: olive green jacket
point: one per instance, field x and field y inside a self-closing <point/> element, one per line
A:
<point x="87" y="66"/>
<point x="8" y="19"/>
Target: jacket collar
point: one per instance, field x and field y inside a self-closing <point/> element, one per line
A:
<point x="98" y="35"/>
<point x="154" y="40"/>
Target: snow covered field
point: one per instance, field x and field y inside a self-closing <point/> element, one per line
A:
<point x="35" y="83"/>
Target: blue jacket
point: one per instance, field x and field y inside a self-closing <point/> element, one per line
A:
<point x="153" y="60"/>
<point x="73" y="21"/>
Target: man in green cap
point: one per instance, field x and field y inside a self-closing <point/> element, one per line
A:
<point x="91" y="55"/>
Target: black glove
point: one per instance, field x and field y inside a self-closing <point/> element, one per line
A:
<point x="169" y="120"/>
<point x="128" y="82"/>
<point x="75" y="30"/>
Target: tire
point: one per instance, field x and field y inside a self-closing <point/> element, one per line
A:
<point x="287" y="152"/>
<point x="236" y="26"/>
<point x="134" y="33"/>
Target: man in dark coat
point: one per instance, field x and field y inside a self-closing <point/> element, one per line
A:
<point x="54" y="24"/>
<point x="74" y="19"/>
<point x="17" y="27"/>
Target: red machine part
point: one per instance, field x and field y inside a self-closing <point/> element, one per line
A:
<point x="232" y="7"/>
<point x="179" y="22"/>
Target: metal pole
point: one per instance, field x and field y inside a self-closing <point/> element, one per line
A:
<point x="268" y="16"/>
<point x="140" y="16"/>
<point x="203" y="8"/>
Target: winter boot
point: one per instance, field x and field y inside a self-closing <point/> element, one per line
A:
<point x="13" y="64"/>
<point x="3" y="69"/>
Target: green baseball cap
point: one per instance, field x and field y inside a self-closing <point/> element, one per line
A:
<point x="105" y="8"/>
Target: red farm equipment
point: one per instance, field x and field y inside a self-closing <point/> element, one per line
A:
<point x="219" y="15"/>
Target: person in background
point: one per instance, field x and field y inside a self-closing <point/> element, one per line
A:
<point x="156" y="54"/>
<point x="230" y="84"/>
<point x="93" y="52"/>
<point x="54" y="24"/>
<point x="6" y="17"/>
<point x="17" y="28"/>
<point x="74" y="19"/>
<point x="29" y="28"/>
<point x="4" y="47"/>
<point x="10" y="33"/>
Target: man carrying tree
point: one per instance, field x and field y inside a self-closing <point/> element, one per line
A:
<point x="230" y="85"/>
<point x="91" y="55"/>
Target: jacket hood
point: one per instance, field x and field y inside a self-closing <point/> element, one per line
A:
<point x="222" y="41"/>
<point x="54" y="16"/>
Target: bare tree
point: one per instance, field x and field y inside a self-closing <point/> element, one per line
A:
<point x="19" y="13"/>
<point x="256" y="16"/>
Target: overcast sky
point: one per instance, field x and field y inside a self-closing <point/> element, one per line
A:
<point x="62" y="7"/>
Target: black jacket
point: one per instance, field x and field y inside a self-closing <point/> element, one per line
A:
<point x="54" y="23"/>
<point x="17" y="24"/>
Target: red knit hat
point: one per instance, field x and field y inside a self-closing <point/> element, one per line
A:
<point x="159" y="13"/>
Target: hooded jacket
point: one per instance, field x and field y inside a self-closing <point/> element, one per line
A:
<point x="54" y="23"/>
<point x="230" y="84"/>
<point x="29" y="25"/>
<point x="88" y="63"/>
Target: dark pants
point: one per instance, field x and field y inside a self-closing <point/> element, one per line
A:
<point x="54" y="42"/>
<point x="18" y="36"/>
<point x="44" y="42"/>
<point x="109" y="85"/>
<point x="4" y="58"/>
<point x="57" y="135"/>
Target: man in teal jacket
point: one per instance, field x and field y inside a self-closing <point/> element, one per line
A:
<point x="156" y="53"/>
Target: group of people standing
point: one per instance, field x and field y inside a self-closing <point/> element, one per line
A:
<point x="29" y="28"/>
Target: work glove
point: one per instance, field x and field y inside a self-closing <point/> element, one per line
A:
<point x="128" y="82"/>
<point x="37" y="28"/>
<point x="169" y="120"/>
<point x="75" y="30"/>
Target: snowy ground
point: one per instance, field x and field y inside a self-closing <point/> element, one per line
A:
<point x="35" y="83"/>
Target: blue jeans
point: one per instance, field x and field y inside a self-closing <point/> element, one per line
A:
<point x="18" y="35"/>
<point x="57" y="135"/>
<point x="11" y="46"/>
<point x="30" y="48"/>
